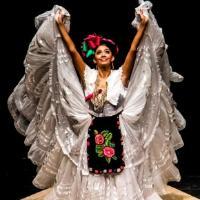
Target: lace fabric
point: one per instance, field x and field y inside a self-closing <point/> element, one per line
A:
<point x="113" y="81"/>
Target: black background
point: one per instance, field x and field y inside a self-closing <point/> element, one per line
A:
<point x="112" y="18"/>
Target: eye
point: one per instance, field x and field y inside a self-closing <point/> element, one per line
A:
<point x="98" y="52"/>
<point x="107" y="51"/>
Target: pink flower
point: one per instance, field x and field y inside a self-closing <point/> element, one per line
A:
<point x="99" y="139"/>
<point x="109" y="152"/>
<point x="93" y="40"/>
<point x="88" y="97"/>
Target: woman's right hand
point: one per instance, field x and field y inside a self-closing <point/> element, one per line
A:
<point x="59" y="17"/>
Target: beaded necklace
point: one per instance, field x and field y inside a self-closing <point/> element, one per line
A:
<point x="99" y="95"/>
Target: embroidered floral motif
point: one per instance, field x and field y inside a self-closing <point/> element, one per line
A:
<point x="104" y="147"/>
<point x="99" y="139"/>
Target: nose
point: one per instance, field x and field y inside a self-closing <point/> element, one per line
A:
<point x="103" y="54"/>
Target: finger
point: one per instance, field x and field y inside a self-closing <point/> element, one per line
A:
<point x="62" y="12"/>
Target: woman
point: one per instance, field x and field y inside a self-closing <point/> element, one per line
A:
<point x="97" y="135"/>
<point x="104" y="67"/>
<point x="97" y="84"/>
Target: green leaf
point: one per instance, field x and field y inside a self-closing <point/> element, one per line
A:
<point x="105" y="132"/>
<point x="109" y="136"/>
<point x="99" y="147"/>
<point x="107" y="143"/>
<point x="84" y="46"/>
<point x="100" y="154"/>
<point x="96" y="132"/>
<point x="89" y="53"/>
<point x="112" y="144"/>
<point x="114" y="157"/>
<point x="108" y="160"/>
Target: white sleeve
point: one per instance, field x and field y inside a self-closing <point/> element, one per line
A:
<point x="89" y="79"/>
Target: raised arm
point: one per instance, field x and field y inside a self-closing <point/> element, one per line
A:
<point x="78" y="62"/>
<point x="130" y="58"/>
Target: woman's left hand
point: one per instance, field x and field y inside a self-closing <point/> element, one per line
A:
<point x="144" y="20"/>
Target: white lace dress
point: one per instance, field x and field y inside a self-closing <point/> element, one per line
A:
<point x="49" y="108"/>
<point x="125" y="185"/>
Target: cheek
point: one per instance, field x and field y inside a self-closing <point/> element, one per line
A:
<point x="97" y="57"/>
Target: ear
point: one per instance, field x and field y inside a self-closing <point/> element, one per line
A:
<point x="113" y="58"/>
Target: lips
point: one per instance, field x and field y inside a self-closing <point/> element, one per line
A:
<point x="102" y="60"/>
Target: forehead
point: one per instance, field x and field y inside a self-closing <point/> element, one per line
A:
<point x="102" y="47"/>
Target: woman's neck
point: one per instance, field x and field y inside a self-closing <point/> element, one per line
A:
<point x="104" y="72"/>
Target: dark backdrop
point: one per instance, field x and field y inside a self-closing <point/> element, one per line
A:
<point x="113" y="19"/>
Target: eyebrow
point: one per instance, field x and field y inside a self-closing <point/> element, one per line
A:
<point x="104" y="49"/>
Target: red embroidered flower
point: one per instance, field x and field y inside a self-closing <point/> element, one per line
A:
<point x="109" y="152"/>
<point x="99" y="139"/>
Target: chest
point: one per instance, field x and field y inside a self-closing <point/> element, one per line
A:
<point x="112" y="87"/>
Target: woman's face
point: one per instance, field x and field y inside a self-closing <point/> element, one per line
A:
<point x="103" y="56"/>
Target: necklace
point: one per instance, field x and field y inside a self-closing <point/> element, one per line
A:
<point x="99" y="95"/>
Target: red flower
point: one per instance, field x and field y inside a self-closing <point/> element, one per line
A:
<point x="109" y="152"/>
<point x="88" y="97"/>
<point x="93" y="41"/>
<point x="99" y="139"/>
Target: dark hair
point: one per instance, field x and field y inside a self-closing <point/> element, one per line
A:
<point x="93" y="41"/>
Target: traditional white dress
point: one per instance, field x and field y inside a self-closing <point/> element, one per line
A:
<point x="49" y="109"/>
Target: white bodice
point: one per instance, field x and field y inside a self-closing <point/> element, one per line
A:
<point x="115" y="88"/>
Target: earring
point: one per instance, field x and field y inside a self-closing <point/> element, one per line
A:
<point x="113" y="66"/>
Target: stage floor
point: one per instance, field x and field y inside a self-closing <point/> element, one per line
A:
<point x="173" y="194"/>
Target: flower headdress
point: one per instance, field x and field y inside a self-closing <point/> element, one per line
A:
<point x="92" y="41"/>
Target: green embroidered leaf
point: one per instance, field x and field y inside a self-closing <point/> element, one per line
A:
<point x="109" y="136"/>
<point x="104" y="132"/>
<point x="107" y="143"/>
<point x="96" y="132"/>
<point x="114" y="157"/>
<point x="100" y="154"/>
<point x="108" y="159"/>
<point x="112" y="144"/>
<point x="99" y="147"/>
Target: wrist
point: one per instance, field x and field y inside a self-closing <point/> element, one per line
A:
<point x="141" y="26"/>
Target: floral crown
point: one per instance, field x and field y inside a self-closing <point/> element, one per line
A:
<point x="92" y="41"/>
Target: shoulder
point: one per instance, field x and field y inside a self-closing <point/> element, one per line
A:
<point x="116" y="74"/>
<point x="89" y="75"/>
